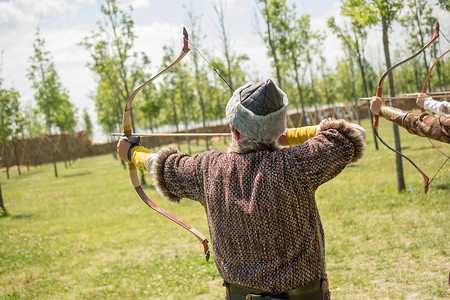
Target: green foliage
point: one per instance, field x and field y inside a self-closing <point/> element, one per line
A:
<point x="369" y="12"/>
<point x="34" y="121"/>
<point x="87" y="235"/>
<point x="51" y="97"/>
<point x="192" y="93"/>
<point x="11" y="120"/>
<point x="119" y="68"/>
<point x="87" y="122"/>
<point x="444" y="4"/>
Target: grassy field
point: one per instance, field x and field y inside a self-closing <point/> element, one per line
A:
<point x="87" y="235"/>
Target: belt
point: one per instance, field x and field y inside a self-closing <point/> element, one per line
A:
<point x="316" y="290"/>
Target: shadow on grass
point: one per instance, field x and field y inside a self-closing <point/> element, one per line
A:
<point x="19" y="217"/>
<point x="442" y="186"/>
<point x="77" y="174"/>
<point x="4" y="214"/>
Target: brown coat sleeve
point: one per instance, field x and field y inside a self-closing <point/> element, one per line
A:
<point x="431" y="126"/>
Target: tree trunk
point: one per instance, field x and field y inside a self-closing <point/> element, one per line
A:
<point x="360" y="56"/>
<point x="202" y="103"/>
<point x="16" y="156"/>
<point x="398" y="158"/>
<point x="52" y="146"/>
<point x="2" y="205"/>
<point x="421" y="36"/>
<point x="272" y="46"/>
<point x="300" y="94"/>
<point x="175" y="117"/>
<point x="5" y="151"/>
<point x="226" y="47"/>
<point x="186" y="128"/>
<point x="314" y="92"/>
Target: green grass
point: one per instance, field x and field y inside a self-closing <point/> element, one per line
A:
<point x="87" y="235"/>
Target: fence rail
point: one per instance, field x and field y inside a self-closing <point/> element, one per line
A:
<point x="37" y="150"/>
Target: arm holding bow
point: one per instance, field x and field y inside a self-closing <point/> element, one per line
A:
<point x="431" y="126"/>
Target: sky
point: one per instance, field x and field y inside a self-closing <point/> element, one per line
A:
<point x="65" y="23"/>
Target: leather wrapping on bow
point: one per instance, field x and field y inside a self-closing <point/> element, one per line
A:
<point x="132" y="168"/>
<point x="380" y="93"/>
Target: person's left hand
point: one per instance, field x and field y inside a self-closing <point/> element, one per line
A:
<point x="122" y="150"/>
<point x="375" y="105"/>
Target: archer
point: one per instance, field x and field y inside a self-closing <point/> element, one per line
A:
<point x="436" y="127"/>
<point x="259" y="200"/>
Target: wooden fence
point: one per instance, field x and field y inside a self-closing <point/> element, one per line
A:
<point x="37" y="150"/>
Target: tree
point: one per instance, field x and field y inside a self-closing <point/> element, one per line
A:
<point x="299" y="35"/>
<point x="354" y="41"/>
<point x="9" y="110"/>
<point x="66" y="121"/>
<point x="50" y="95"/>
<point x="115" y="63"/>
<point x="17" y="132"/>
<point x="151" y="105"/>
<point x="201" y="80"/>
<point x="219" y="8"/>
<point x="108" y="111"/>
<point x="3" y="211"/>
<point x="312" y="52"/>
<point x="384" y="12"/>
<point x="444" y="4"/>
<point x="274" y="13"/>
<point x="419" y="22"/>
<point x="233" y="65"/>
<point x="34" y="126"/>
<point x="87" y="122"/>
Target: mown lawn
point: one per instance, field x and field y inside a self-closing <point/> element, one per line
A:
<point x="87" y="235"/>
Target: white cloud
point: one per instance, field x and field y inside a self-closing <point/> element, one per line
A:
<point x="65" y="23"/>
<point x="12" y="16"/>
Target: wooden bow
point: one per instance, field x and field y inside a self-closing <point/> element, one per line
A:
<point x="380" y="93"/>
<point x="424" y="91"/>
<point x="132" y="168"/>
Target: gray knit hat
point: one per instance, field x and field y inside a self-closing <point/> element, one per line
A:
<point x="258" y="110"/>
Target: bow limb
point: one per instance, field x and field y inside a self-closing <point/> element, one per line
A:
<point x="380" y="93"/>
<point x="424" y="91"/>
<point x="127" y="129"/>
<point x="427" y="81"/>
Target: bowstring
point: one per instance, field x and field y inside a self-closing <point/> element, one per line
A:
<point x="211" y="66"/>
<point x="444" y="35"/>
<point x="431" y="180"/>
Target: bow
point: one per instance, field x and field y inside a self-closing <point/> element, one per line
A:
<point x="424" y="91"/>
<point x="380" y="92"/>
<point x="132" y="168"/>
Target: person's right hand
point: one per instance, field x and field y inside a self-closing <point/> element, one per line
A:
<point x="421" y="99"/>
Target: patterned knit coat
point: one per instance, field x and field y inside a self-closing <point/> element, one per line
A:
<point x="432" y="126"/>
<point x="265" y="227"/>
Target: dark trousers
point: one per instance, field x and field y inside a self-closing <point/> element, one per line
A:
<point x="316" y="290"/>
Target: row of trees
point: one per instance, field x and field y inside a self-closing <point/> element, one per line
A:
<point x="53" y="112"/>
<point x="191" y="93"/>
<point x="295" y="48"/>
